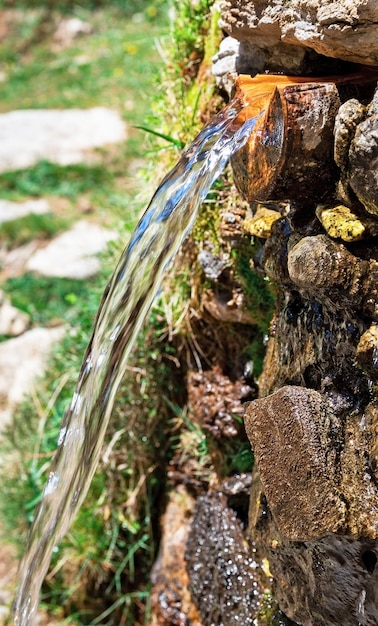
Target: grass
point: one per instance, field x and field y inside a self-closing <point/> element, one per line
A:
<point x="47" y="178"/>
<point x="109" y="542"/>
<point x="100" y="69"/>
<point x="48" y="300"/>
<point x="110" y="550"/>
<point x="33" y="226"/>
<point x="105" y="67"/>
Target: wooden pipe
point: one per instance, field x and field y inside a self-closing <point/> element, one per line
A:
<point x="289" y="155"/>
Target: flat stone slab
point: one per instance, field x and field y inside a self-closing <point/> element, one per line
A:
<point x="13" y="262"/>
<point x="22" y="360"/>
<point x="73" y="254"/>
<point x="60" y="136"/>
<point x="13" y="322"/>
<point x="13" y="210"/>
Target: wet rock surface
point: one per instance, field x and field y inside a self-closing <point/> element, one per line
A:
<point x="216" y="403"/>
<point x="341" y="569"/>
<point x="314" y="500"/>
<point x="363" y="159"/>
<point x="171" y="600"/>
<point x="222" y="571"/>
<point x="295" y="427"/>
<point x="318" y="423"/>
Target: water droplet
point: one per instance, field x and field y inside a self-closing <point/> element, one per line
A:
<point x="52" y="484"/>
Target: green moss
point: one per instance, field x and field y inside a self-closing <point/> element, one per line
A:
<point x="258" y="291"/>
<point x="270" y="614"/>
<point x="206" y="229"/>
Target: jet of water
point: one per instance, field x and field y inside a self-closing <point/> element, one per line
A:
<point x="124" y="306"/>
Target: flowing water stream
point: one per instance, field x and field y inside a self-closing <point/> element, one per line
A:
<point x="125" y="304"/>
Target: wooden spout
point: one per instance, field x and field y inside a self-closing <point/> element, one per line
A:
<point x="290" y="152"/>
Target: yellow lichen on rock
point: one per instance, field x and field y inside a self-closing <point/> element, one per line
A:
<point x="260" y="225"/>
<point x="341" y="223"/>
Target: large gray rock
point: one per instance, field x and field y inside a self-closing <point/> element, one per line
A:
<point x="343" y="29"/>
<point x="13" y="210"/>
<point x="22" y="360"/>
<point x="72" y="254"/>
<point x="61" y="136"/>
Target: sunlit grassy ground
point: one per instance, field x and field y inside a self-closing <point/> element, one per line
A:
<point x="115" y="66"/>
<point x="101" y="571"/>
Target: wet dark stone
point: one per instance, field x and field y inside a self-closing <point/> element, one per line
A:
<point x="215" y="401"/>
<point x="367" y="352"/>
<point x="223" y="574"/>
<point x="329" y="582"/>
<point x="292" y="426"/>
<point x="363" y="160"/>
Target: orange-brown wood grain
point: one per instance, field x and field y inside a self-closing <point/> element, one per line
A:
<point x="290" y="152"/>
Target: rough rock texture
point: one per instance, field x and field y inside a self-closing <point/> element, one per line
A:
<point x="314" y="502"/>
<point x="215" y="402"/>
<point x="297" y="428"/>
<point x="222" y="571"/>
<point x="314" y="427"/>
<point x="280" y="33"/>
<point x="171" y="600"/>
<point x="363" y="159"/>
<point x="311" y="535"/>
<point x="356" y="153"/>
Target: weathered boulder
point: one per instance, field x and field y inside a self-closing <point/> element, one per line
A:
<point x="281" y="33"/>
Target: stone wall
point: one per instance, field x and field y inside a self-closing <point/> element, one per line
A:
<point x="314" y="504"/>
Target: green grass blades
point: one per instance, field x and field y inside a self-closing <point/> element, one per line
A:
<point x="33" y="226"/>
<point x="48" y="300"/>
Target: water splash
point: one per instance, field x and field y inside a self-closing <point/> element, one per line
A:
<point x="125" y="304"/>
